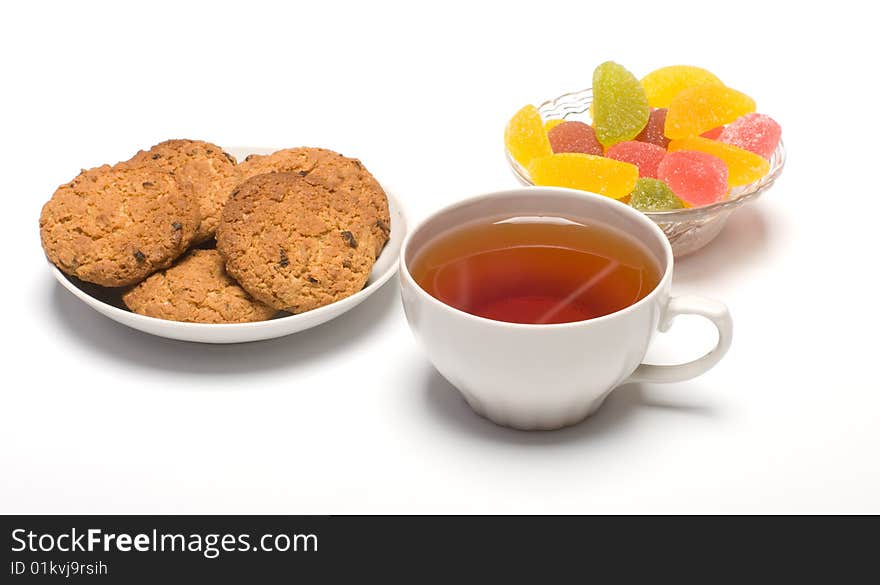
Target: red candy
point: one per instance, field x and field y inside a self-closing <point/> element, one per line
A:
<point x="753" y="132"/>
<point x="695" y="177"/>
<point x="714" y="133"/>
<point x="644" y="155"/>
<point x="574" y="137"/>
<point x="653" y="131"/>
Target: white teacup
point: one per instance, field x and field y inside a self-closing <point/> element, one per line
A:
<point x="549" y="376"/>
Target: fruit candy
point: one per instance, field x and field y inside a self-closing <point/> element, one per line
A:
<point x="597" y="174"/>
<point x="551" y="124"/>
<point x="644" y="155"/>
<point x="753" y="132"/>
<point x="698" y="109"/>
<point x="574" y="137"/>
<point x="743" y="167"/>
<point x="695" y="177"/>
<point x="525" y="136"/>
<point x="712" y="134"/>
<point x="661" y="85"/>
<point x="620" y="108"/>
<point x="654" y="195"/>
<point x="653" y="131"/>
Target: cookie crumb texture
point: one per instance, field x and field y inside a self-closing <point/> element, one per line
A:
<point x="206" y="168"/>
<point x="337" y="173"/>
<point x="284" y="240"/>
<point x="196" y="290"/>
<point x="114" y="226"/>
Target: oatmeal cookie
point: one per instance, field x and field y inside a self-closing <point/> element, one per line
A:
<point x="335" y="172"/>
<point x="197" y="290"/>
<point x="114" y="226"/>
<point x="293" y="244"/>
<point x="211" y="172"/>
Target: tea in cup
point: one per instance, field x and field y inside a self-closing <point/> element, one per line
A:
<point x="537" y="302"/>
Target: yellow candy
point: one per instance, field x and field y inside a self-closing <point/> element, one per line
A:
<point x="525" y="136"/>
<point x="586" y="172"/>
<point x="743" y="167"/>
<point x="661" y="85"/>
<point x="704" y="107"/>
<point x="551" y="124"/>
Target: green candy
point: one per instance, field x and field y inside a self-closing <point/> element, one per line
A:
<point x="620" y="106"/>
<point x="653" y="195"/>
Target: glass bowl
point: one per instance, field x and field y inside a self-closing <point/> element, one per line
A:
<point x="690" y="229"/>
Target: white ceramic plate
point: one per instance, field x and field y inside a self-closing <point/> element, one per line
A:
<point x="107" y="302"/>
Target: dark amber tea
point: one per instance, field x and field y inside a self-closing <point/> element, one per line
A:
<point x="536" y="270"/>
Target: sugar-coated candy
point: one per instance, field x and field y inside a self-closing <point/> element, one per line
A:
<point x="756" y="133"/>
<point x="644" y="155"/>
<point x="698" y="109"/>
<point x="525" y="136"/>
<point x="743" y="167"/>
<point x="587" y="172"/>
<point x="677" y="138"/>
<point x="654" y="195"/>
<point x="620" y="108"/>
<point x="574" y="137"/>
<point x="653" y="131"/>
<point x="712" y="134"/>
<point x="551" y="124"/>
<point x="661" y="85"/>
<point x="695" y="177"/>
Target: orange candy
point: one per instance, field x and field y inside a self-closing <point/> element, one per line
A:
<point x="699" y="109"/>
<point x="743" y="167"/>
<point x="586" y="172"/>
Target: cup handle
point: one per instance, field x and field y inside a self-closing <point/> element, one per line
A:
<point x="690" y="305"/>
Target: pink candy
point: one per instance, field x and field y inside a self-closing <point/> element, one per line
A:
<point x="713" y="134"/>
<point x="644" y="155"/>
<point x="696" y="178"/>
<point x="757" y="133"/>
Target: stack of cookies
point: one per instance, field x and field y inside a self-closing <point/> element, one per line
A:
<point x="192" y="235"/>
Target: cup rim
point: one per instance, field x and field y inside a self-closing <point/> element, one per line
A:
<point x="559" y="191"/>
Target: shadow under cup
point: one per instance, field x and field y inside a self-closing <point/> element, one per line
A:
<point x="535" y="376"/>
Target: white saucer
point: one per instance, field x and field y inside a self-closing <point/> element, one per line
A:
<point x="107" y="301"/>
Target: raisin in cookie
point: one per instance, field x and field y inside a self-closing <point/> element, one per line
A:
<point x="335" y="172"/>
<point x="206" y="168"/>
<point x="114" y="226"/>
<point x="197" y="290"/>
<point x="295" y="245"/>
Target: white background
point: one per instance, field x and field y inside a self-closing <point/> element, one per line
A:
<point x="350" y="417"/>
